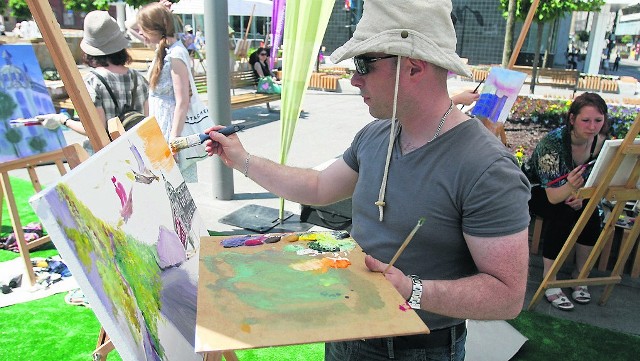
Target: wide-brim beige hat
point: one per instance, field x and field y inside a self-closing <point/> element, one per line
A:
<point x="102" y="35"/>
<point x="417" y="29"/>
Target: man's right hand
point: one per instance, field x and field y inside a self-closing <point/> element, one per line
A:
<point x="52" y="121"/>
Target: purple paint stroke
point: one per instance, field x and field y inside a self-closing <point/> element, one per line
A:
<point x="234" y="241"/>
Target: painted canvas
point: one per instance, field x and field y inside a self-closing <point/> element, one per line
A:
<point x="272" y="290"/>
<point x="23" y="95"/>
<point x="498" y="94"/>
<point x="127" y="227"/>
<point x="608" y="152"/>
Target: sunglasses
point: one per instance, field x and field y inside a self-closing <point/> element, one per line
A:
<point x="262" y="54"/>
<point x="362" y="62"/>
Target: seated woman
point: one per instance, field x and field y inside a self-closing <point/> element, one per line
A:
<point x="258" y="61"/>
<point x="564" y="151"/>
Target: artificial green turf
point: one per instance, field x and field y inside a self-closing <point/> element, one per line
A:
<point x="48" y="329"/>
<point x="552" y="338"/>
<point x="22" y="190"/>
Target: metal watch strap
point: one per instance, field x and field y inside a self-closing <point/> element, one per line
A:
<point x="416" y="292"/>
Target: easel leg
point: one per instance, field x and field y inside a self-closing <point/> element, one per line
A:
<point x="17" y="227"/>
<point x="625" y="251"/>
<point x="103" y="347"/>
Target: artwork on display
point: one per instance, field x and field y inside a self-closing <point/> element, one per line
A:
<point x="129" y="231"/>
<point x="605" y="157"/>
<point x="498" y="95"/>
<point x="274" y="290"/>
<point x="23" y="95"/>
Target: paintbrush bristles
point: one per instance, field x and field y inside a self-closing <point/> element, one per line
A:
<point x="181" y="143"/>
<point x="404" y="244"/>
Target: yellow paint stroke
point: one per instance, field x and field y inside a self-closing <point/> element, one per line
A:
<point x="155" y="147"/>
<point x="310" y="265"/>
<point x="308" y="237"/>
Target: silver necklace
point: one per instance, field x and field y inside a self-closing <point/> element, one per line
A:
<point x="408" y="147"/>
<point x="444" y="117"/>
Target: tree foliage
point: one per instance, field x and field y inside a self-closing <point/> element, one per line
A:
<point x="19" y="9"/>
<point x="549" y="10"/>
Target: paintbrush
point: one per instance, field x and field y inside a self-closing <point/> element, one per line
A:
<point x="22" y="122"/>
<point x="181" y="143"/>
<point x="584" y="166"/>
<point x="404" y="244"/>
<point x="475" y="91"/>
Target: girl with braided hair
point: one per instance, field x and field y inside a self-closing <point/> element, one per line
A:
<point x="170" y="79"/>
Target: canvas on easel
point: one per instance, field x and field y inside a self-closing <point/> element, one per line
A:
<point x="23" y="95"/>
<point x="129" y="231"/>
<point x="615" y="179"/>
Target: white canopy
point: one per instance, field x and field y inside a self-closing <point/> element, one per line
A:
<point x="236" y="7"/>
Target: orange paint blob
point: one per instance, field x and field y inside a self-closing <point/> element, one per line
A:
<point x="336" y="263"/>
<point x="245" y="327"/>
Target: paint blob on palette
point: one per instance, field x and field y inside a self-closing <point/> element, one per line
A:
<point x="282" y="289"/>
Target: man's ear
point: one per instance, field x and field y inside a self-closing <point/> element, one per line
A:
<point x="415" y="66"/>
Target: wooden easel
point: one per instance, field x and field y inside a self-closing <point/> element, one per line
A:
<point x="29" y="164"/>
<point x="620" y="194"/>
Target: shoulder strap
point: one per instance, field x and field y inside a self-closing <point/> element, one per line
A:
<point x="104" y="82"/>
<point x="134" y="75"/>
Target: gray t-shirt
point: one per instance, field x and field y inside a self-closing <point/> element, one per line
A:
<point x="463" y="181"/>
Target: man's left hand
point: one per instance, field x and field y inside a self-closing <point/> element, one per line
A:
<point x="400" y="281"/>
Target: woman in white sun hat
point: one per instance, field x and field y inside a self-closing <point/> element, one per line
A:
<point x="420" y="158"/>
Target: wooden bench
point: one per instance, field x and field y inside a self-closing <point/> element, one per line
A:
<point x="239" y="80"/>
<point x="557" y="78"/>
<point x="141" y="58"/>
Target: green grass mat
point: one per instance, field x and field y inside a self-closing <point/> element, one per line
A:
<point x="553" y="338"/>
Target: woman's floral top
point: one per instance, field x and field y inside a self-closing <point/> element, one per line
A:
<point x="552" y="159"/>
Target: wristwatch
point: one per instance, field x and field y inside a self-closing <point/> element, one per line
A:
<point x="65" y="122"/>
<point x="416" y="292"/>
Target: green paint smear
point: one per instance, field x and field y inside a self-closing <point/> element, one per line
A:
<point x="265" y="281"/>
<point x="328" y="241"/>
<point x="128" y="268"/>
<point x="293" y="248"/>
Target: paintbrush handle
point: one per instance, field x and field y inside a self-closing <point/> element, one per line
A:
<point x="404" y="245"/>
<point x="584" y="166"/>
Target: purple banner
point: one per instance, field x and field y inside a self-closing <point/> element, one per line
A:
<point x="277" y="28"/>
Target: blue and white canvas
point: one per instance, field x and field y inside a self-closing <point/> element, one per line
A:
<point x="23" y="95"/>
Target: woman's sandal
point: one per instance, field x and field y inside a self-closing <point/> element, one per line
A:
<point x="581" y="295"/>
<point x="558" y="299"/>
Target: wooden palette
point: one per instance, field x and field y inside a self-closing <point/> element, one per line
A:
<point x="271" y="295"/>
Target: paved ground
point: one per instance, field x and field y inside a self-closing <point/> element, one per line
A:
<point x="324" y="130"/>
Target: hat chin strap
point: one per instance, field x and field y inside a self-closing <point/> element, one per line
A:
<point x="392" y="137"/>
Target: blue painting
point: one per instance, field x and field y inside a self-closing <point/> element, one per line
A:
<point x="23" y="95"/>
<point x="499" y="93"/>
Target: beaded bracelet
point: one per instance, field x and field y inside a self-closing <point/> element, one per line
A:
<point x="246" y="165"/>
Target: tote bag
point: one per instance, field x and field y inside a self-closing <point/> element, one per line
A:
<point x="196" y="122"/>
